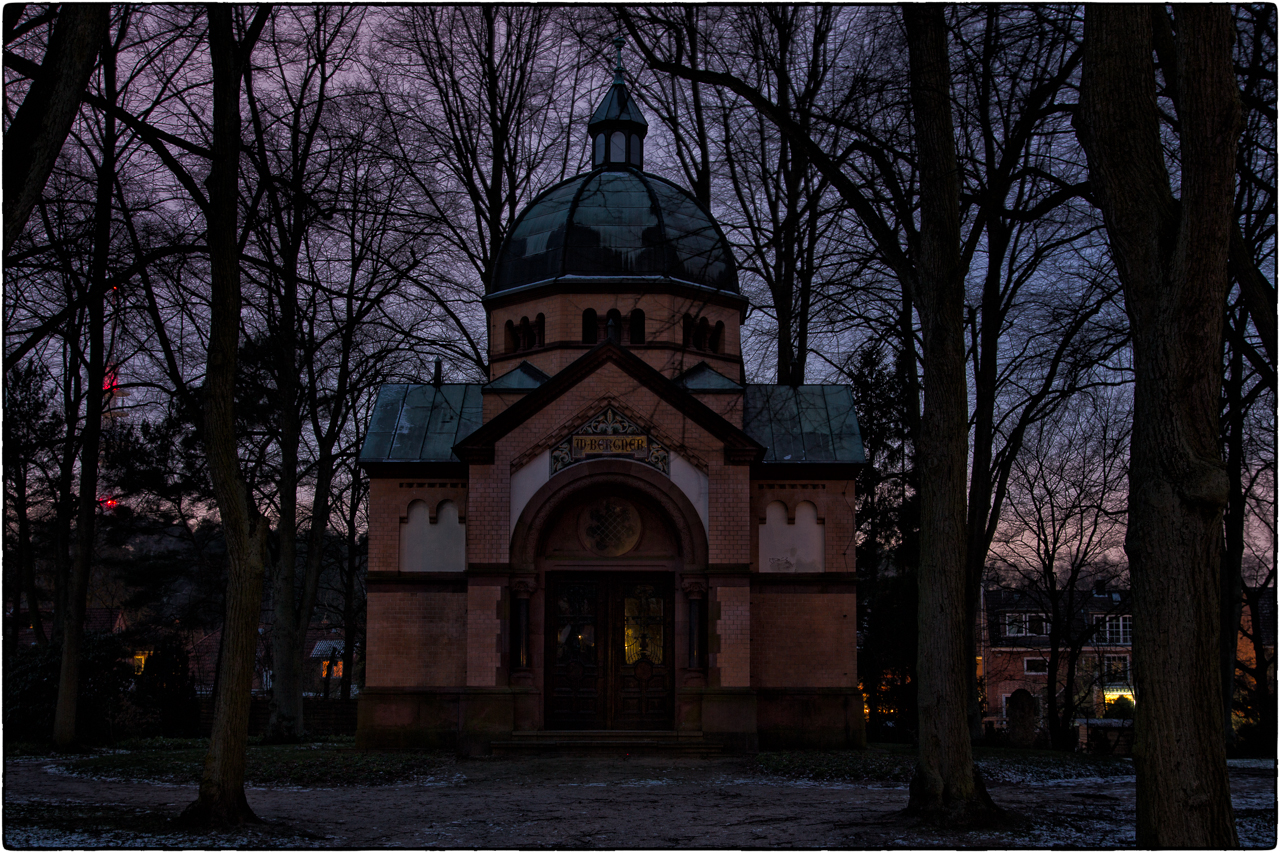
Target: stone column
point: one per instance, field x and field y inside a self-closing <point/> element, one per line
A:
<point x="695" y="591"/>
<point x="521" y="659"/>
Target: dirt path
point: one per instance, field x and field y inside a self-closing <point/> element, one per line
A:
<point x="586" y="803"/>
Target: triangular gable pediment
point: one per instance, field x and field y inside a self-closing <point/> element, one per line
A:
<point x="703" y="377"/>
<point x="478" y="447"/>
<point x="614" y="428"/>
<point x="523" y="377"/>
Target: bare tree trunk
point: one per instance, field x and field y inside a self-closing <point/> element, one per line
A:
<point x="26" y="559"/>
<point x="1232" y="583"/>
<point x="1172" y="258"/>
<point x="349" y="614"/>
<point x="285" y="724"/>
<point x="40" y="126"/>
<point x="64" y="719"/>
<point x="1264" y="695"/>
<point x="946" y="786"/>
<point x="221" y="799"/>
<point x="65" y="510"/>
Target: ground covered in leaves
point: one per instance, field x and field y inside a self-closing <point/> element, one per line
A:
<point x="331" y="795"/>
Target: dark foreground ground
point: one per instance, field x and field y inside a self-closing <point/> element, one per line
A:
<point x="589" y="802"/>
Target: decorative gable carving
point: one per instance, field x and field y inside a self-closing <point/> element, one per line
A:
<point x="610" y="434"/>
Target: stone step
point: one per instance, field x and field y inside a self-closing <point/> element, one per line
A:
<point x="606" y="742"/>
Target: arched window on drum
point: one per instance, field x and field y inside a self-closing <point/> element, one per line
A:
<point x="636" y="335"/>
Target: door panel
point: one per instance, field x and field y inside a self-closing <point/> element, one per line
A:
<point x="610" y="640"/>
<point x="643" y="678"/>
<point x="576" y="692"/>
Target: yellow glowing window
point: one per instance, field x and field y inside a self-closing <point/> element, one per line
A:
<point x="324" y="669"/>
<point x="643" y="625"/>
<point x="140" y="661"/>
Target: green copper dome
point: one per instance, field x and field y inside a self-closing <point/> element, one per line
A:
<point x="615" y="222"/>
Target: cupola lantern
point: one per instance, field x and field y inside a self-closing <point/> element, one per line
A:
<point x="617" y="129"/>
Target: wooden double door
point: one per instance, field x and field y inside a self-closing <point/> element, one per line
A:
<point x="610" y="651"/>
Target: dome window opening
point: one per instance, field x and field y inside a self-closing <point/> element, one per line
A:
<point x="618" y="147"/>
<point x="540" y="331"/>
<point x="590" y="326"/>
<point x="636" y="336"/>
<point x="526" y="334"/>
<point x="716" y="342"/>
<point x="637" y="152"/>
<point x="613" y="325"/>
<point x="598" y="159"/>
<point x="509" y="337"/>
<point x="688" y="331"/>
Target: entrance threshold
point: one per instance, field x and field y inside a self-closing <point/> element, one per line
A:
<point x="606" y="742"/>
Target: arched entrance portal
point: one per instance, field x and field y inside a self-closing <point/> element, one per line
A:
<point x="607" y="544"/>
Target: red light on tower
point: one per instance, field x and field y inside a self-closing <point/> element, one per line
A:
<point x="110" y="390"/>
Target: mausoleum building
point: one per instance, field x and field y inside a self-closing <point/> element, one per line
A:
<point x="616" y="532"/>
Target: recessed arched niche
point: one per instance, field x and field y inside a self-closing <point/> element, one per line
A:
<point x="787" y="546"/>
<point x="433" y="546"/>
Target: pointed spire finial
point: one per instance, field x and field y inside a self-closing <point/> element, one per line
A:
<point x="617" y="128"/>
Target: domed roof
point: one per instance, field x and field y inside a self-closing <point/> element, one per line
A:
<point x="615" y="222"/>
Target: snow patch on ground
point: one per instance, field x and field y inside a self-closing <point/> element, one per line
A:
<point x="33" y="837"/>
<point x="781" y="782"/>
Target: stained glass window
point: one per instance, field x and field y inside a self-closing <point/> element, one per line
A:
<point x="642" y="608"/>
<point x="576" y="624"/>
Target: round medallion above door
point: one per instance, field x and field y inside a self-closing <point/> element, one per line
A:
<point x="609" y="526"/>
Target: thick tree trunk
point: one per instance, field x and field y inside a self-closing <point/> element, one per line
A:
<point x="40" y="126"/>
<point x="1172" y="259"/>
<point x="946" y="786"/>
<point x="221" y="800"/>
<point x="64" y="719"/>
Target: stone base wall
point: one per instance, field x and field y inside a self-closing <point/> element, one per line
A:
<point x="466" y="719"/>
<point x="795" y="718"/>
<point x="741" y="719"/>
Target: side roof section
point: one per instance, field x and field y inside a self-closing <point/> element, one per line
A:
<point x="808" y="431"/>
<point x="414" y="428"/>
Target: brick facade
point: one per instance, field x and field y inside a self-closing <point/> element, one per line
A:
<point x="733" y="628"/>
<point x="414" y="639"/>
<point x="793" y="627"/>
<point x="484" y="632"/>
